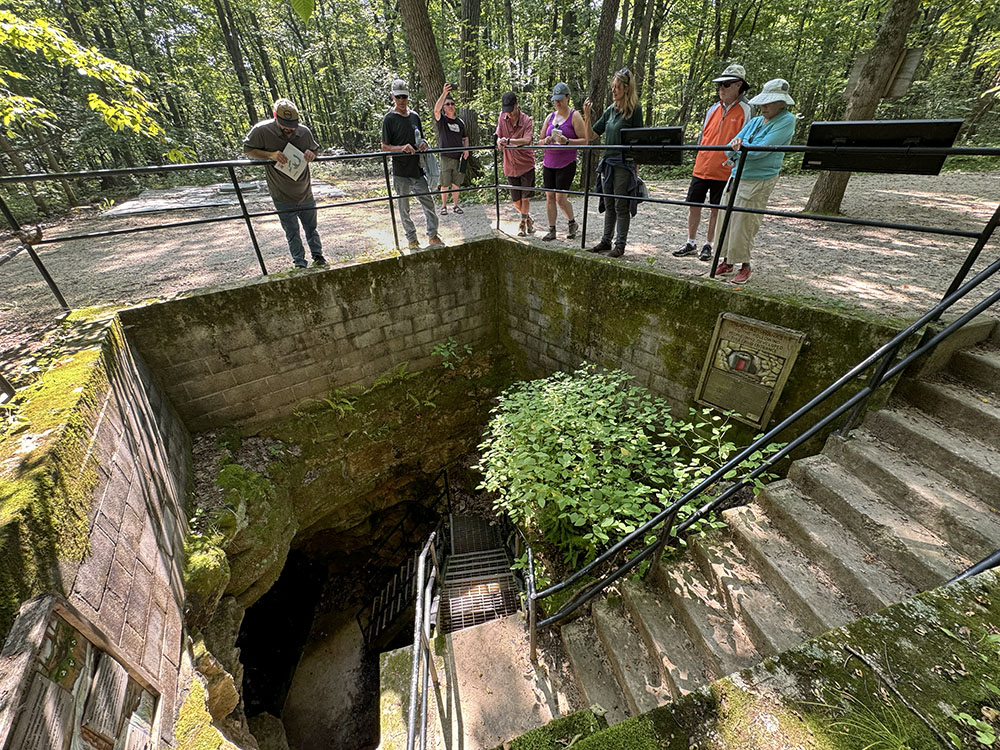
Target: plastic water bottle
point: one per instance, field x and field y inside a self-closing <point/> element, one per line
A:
<point x="417" y="137"/>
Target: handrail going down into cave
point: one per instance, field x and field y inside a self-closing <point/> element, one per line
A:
<point x="885" y="368"/>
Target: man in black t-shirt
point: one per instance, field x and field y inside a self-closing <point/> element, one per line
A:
<point x="402" y="135"/>
<point x="451" y="134"/>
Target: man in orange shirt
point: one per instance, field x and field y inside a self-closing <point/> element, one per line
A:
<point x="724" y="120"/>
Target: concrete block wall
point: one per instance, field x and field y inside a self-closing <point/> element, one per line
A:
<point x="129" y="587"/>
<point x="131" y="584"/>
<point x="250" y="355"/>
<point x="561" y="309"/>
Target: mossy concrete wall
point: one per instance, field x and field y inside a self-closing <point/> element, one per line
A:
<point x="560" y="309"/>
<point x="248" y="355"/>
<point x="92" y="495"/>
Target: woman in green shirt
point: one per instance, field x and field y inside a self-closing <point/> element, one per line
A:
<point x="616" y="174"/>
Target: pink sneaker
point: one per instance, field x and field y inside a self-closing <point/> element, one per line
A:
<point x="743" y="276"/>
<point x="724" y="268"/>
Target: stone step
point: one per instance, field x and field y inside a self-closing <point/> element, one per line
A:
<point x="978" y="330"/>
<point x="637" y="673"/>
<point x="593" y="674"/>
<point x="970" y="526"/>
<point x="979" y="368"/>
<point x="923" y="557"/>
<point x="867" y="580"/>
<point x="666" y="639"/>
<point x="964" y="461"/>
<point x="960" y="408"/>
<point x="802" y="584"/>
<point x="771" y="625"/>
<point x="721" y="641"/>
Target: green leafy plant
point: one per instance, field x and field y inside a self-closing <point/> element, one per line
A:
<point x="583" y="459"/>
<point x="451" y="353"/>
<point x="874" y="725"/>
<point x="986" y="734"/>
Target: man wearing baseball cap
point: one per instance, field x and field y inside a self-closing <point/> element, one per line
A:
<point x="722" y="123"/>
<point x="292" y="198"/>
<point x="514" y="128"/>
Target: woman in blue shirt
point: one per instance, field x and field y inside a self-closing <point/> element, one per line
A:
<point x="774" y="126"/>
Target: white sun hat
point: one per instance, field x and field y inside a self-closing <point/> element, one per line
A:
<point x="775" y="90"/>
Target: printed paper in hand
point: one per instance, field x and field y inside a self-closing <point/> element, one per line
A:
<point x="296" y="162"/>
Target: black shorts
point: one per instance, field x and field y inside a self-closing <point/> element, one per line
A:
<point x="559" y="178"/>
<point x="524" y="180"/>
<point x="700" y="187"/>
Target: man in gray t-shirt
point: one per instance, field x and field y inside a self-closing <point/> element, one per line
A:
<point x="293" y="198"/>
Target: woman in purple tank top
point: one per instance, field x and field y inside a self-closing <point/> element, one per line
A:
<point x="561" y="128"/>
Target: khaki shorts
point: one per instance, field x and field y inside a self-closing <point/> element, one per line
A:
<point x="449" y="172"/>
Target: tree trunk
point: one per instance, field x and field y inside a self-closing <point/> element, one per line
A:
<point x="55" y="166"/>
<point x="8" y="148"/>
<point x="508" y="17"/>
<point x="468" y="82"/>
<point x="424" y="48"/>
<point x="602" y="56"/>
<point x="662" y="8"/>
<point x="639" y="63"/>
<point x="225" y="15"/>
<point x="984" y="104"/>
<point x="265" y="62"/>
<point x="622" y="29"/>
<point x="828" y="192"/>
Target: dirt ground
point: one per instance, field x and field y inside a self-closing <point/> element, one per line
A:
<point x="883" y="271"/>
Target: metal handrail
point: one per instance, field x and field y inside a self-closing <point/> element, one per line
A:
<point x="422" y="666"/>
<point x="28" y="241"/>
<point x="989" y="562"/>
<point x="882" y="355"/>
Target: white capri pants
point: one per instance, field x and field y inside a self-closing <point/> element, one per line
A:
<point x="743" y="227"/>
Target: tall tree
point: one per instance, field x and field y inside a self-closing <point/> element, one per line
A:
<point x="601" y="61"/>
<point x="425" y="52"/>
<point x="828" y="192"/>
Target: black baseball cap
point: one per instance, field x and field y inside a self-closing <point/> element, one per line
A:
<point x="508" y="102"/>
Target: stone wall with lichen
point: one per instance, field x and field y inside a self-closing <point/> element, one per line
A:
<point x="248" y="355"/>
<point x="560" y="309"/>
<point x="92" y="490"/>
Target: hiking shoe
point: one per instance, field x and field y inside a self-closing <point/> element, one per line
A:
<point x="413" y="244"/>
<point x="520" y="229"/>
<point x="688" y="249"/>
<point x="601" y="247"/>
<point x="742" y="276"/>
<point x="724" y="268"/>
<point x="435" y="241"/>
<point x="303" y="264"/>
<point x="572" y="229"/>
<point x="550" y="235"/>
<point x="530" y="226"/>
<point x="444" y="211"/>
<point x="319" y="260"/>
<point x="616" y="252"/>
<point x="706" y="253"/>
<point x="457" y="210"/>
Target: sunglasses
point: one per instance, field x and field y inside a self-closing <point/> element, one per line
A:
<point x="727" y="84"/>
<point x="401" y="96"/>
<point x="625" y="74"/>
<point x="449" y="104"/>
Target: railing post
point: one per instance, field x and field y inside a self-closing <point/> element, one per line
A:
<point x="19" y="231"/>
<point x="587" y="162"/>
<point x="392" y="209"/>
<point x="532" y="628"/>
<point x="246" y="218"/>
<point x="859" y="408"/>
<point x="496" y="179"/>
<point x="729" y="211"/>
<point x="668" y="526"/>
<point x="418" y="653"/>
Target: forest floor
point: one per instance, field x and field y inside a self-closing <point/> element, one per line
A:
<point x="885" y="272"/>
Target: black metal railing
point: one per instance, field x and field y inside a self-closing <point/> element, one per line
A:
<point x="886" y="367"/>
<point x="422" y="669"/>
<point x="397" y="593"/>
<point x="30" y="238"/>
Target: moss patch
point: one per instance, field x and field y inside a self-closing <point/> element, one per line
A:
<point x="194" y="729"/>
<point x="560" y="733"/>
<point x="48" y="475"/>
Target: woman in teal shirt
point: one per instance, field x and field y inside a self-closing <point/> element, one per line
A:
<point x="616" y="174"/>
<point x="774" y="126"/>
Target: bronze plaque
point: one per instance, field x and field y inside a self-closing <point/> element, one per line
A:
<point x="747" y="365"/>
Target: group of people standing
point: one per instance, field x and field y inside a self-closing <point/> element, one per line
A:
<point x="728" y="122"/>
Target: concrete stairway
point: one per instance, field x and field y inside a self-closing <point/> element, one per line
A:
<point x="911" y="499"/>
